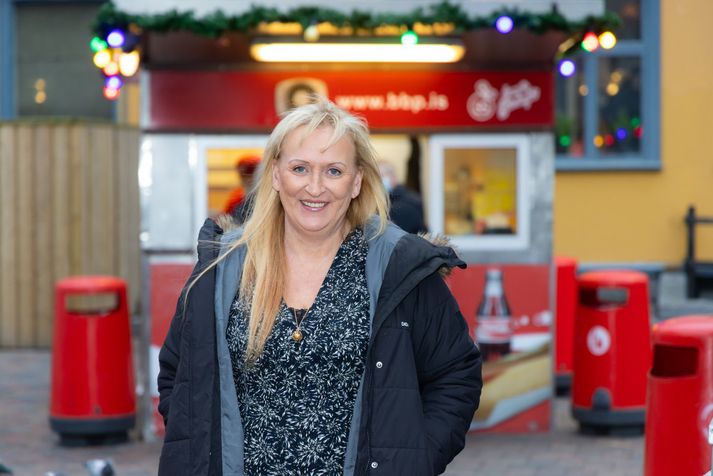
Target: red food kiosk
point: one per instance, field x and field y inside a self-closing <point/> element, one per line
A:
<point x="479" y="135"/>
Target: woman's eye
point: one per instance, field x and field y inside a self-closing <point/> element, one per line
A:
<point x="300" y="169"/>
<point x="334" y="172"/>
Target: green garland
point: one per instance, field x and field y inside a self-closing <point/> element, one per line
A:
<point x="218" y="23"/>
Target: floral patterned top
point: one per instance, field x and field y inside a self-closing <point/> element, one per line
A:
<point x="296" y="401"/>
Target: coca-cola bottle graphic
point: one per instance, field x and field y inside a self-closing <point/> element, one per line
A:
<point x="493" y="325"/>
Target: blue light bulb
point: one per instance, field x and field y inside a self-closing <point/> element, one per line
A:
<point x="504" y="24"/>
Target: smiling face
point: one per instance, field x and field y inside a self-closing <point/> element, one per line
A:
<point x="316" y="185"/>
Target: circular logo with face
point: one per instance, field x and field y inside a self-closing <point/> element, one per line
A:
<point x="598" y="340"/>
<point x="482" y="103"/>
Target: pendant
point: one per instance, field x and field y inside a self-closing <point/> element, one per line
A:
<point x="297" y="335"/>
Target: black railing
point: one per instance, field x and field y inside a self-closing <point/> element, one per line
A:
<point x="698" y="273"/>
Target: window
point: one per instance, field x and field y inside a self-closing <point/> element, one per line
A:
<point x="480" y="191"/>
<point x="45" y="62"/>
<point x="607" y="112"/>
<point x="478" y="186"/>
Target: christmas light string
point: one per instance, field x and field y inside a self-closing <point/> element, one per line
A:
<point x="117" y="40"/>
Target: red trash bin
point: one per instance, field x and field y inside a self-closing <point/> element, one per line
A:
<point x="680" y="398"/>
<point x="92" y="393"/>
<point x="565" y="310"/>
<point x="612" y="352"/>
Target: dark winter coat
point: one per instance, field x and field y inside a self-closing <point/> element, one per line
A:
<point x="421" y="383"/>
<point x="406" y="210"/>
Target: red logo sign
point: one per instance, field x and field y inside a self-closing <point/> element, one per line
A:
<point x="389" y="100"/>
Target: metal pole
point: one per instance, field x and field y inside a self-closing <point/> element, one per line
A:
<point x="710" y="442"/>
<point x="147" y="429"/>
<point x="689" y="265"/>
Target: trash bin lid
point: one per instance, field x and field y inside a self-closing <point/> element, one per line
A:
<point x="696" y="327"/>
<point x="90" y="284"/>
<point x="565" y="261"/>
<point x="612" y="278"/>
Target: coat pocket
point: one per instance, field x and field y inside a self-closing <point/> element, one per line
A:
<point x="399" y="462"/>
<point x="175" y="458"/>
<point x="176" y="405"/>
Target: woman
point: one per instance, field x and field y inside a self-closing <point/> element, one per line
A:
<point x="320" y="339"/>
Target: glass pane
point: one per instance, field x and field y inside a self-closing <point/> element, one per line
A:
<point x="55" y="73"/>
<point x="619" y="129"/>
<point x="630" y="13"/>
<point x="167" y="187"/>
<point x="230" y="174"/>
<point x="480" y="191"/>
<point x="569" y="110"/>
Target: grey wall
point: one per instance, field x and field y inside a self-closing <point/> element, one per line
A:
<point x="540" y="203"/>
<point x="52" y="44"/>
<point x="570" y="8"/>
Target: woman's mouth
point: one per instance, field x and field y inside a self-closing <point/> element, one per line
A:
<point x="313" y="205"/>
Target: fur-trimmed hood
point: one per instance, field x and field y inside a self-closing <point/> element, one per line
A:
<point x="440" y="240"/>
<point x="226" y="222"/>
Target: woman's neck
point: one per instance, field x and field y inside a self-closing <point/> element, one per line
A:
<point x="308" y="261"/>
<point x="314" y="247"/>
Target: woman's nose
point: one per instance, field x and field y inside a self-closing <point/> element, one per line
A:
<point x="315" y="184"/>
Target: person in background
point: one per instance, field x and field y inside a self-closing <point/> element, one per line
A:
<point x="237" y="204"/>
<point x="4" y="469"/>
<point x="406" y="206"/>
<point x="319" y="338"/>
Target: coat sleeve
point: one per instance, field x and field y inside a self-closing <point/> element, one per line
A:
<point x="449" y="371"/>
<point x="170" y="354"/>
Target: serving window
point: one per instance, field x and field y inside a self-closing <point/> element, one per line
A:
<point x="217" y="161"/>
<point x="478" y="190"/>
<point x="223" y="178"/>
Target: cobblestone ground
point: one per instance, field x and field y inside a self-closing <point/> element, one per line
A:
<point x="28" y="446"/>
<point x="561" y="452"/>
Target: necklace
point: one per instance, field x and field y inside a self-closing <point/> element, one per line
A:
<point x="297" y="333"/>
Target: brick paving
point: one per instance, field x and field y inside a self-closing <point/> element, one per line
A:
<point x="29" y="447"/>
<point x="561" y="452"/>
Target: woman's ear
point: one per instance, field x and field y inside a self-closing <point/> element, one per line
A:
<point x="275" y="176"/>
<point x="356" y="187"/>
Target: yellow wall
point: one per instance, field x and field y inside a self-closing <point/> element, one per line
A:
<point x="128" y="106"/>
<point x="638" y="216"/>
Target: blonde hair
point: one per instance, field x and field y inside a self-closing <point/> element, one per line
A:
<point x="264" y="270"/>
